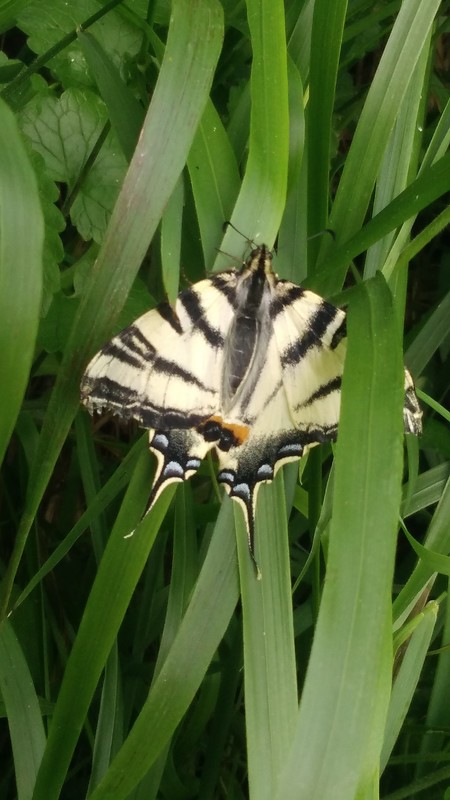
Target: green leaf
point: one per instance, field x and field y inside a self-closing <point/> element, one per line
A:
<point x="269" y="657"/>
<point x="408" y="676"/>
<point x="22" y="237"/>
<point x="9" y="11"/>
<point x="378" y="116"/>
<point x="22" y="708"/>
<point x="259" y="207"/>
<point x="214" y="178"/>
<point x="437" y="540"/>
<point x="178" y="102"/>
<point x="119" y="571"/>
<point x="171" y="242"/>
<point x="65" y="131"/>
<point x="326" y="40"/>
<point x="430" y="337"/>
<point x="201" y="630"/>
<point x="48" y="23"/>
<point x="125" y="113"/>
<point x="429" y="185"/>
<point x="339" y="735"/>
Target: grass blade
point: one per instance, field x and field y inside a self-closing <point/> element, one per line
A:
<point x="167" y="134"/>
<point x="22" y="237"/>
<point x="22" y="708"/>
<point x="259" y="207"/>
<point x="337" y="744"/>
<point x="203" y="626"/>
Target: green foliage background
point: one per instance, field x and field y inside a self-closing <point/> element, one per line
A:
<point x="157" y="666"/>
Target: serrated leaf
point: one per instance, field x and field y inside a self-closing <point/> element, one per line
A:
<point x="47" y="23"/>
<point x="64" y="131"/>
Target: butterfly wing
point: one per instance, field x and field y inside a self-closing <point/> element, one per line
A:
<point x="164" y="369"/>
<point x="310" y="336"/>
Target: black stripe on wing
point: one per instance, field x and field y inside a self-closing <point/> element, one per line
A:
<point x="317" y="326"/>
<point x="191" y="303"/>
<point x="128" y="404"/>
<point x="225" y="283"/>
<point x="168" y="314"/>
<point x="333" y="385"/>
<point x="286" y="298"/>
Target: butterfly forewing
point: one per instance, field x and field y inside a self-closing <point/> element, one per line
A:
<point x="165" y="369"/>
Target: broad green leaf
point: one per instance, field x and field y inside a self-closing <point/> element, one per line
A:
<point x="65" y="131"/>
<point x="21" y="275"/>
<point x="171" y="242"/>
<point x="337" y="743"/>
<point x="48" y="23"/>
<point x="22" y="708"/>
<point x="9" y="11"/>
<point x="269" y="657"/>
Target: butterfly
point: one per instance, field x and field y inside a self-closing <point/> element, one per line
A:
<point x="245" y="364"/>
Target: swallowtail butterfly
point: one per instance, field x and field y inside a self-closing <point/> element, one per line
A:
<point x="245" y="364"/>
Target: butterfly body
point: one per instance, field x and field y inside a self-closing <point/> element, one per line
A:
<point x="245" y="364"/>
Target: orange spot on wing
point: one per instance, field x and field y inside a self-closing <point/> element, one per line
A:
<point x="240" y="432"/>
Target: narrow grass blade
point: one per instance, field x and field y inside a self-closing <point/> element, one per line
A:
<point x="119" y="571"/>
<point x="126" y="114"/>
<point x="203" y="626"/>
<point x="399" y="163"/>
<point x="430" y="337"/>
<point x="429" y="185"/>
<point x="437" y="540"/>
<point x="327" y="29"/>
<point x="215" y="180"/>
<point x="22" y="708"/>
<point x="434" y="738"/>
<point x="269" y="657"/>
<point x="260" y="204"/>
<point x="106" y="495"/>
<point x="337" y="744"/>
<point x="21" y="242"/>
<point x="384" y="98"/>
<point x="407" y="678"/>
